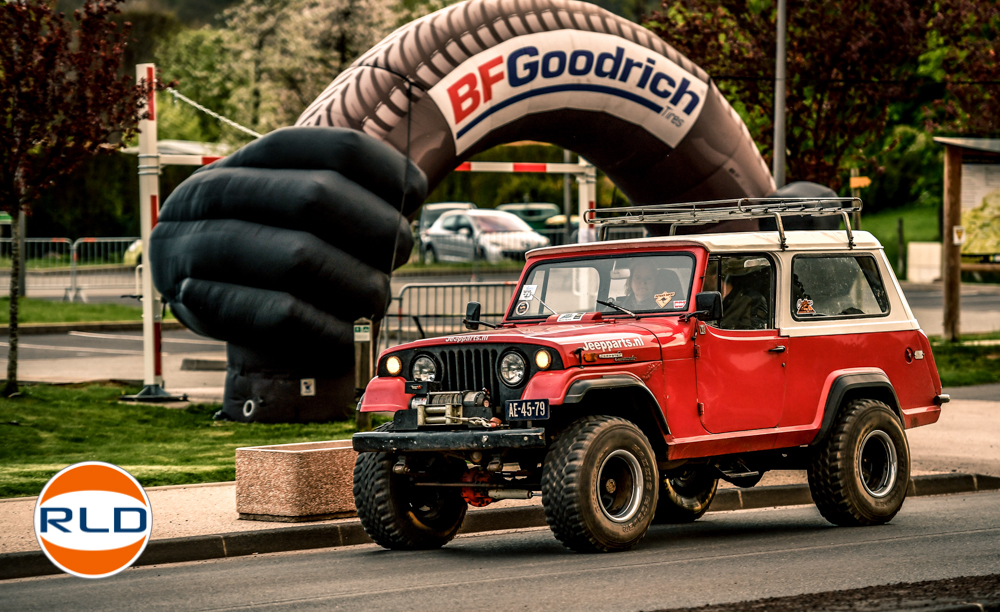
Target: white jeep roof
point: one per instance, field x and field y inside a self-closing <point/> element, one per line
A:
<point x="811" y="240"/>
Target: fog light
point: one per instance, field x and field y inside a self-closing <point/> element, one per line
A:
<point x="393" y="365"/>
<point x="543" y="359"/>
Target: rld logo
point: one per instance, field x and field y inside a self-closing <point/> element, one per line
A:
<point x="93" y="520"/>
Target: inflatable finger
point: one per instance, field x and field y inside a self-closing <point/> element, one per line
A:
<point x="362" y="158"/>
<point x="322" y="202"/>
<point x="263" y="257"/>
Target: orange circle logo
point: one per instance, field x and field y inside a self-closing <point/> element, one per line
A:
<point x="93" y="520"/>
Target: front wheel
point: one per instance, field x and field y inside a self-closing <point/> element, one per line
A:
<point x="399" y="516"/>
<point x="685" y="498"/>
<point x="860" y="473"/>
<point x="599" y="485"/>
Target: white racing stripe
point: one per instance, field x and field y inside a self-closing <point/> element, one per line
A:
<point x="139" y="338"/>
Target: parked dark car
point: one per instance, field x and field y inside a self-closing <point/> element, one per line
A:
<point x="534" y="214"/>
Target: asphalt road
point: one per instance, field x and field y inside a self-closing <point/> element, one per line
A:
<point x="725" y="557"/>
<point x="75" y="345"/>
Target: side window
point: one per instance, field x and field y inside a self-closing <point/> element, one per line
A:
<point x="837" y="286"/>
<point x="449" y="223"/>
<point x="462" y="222"/>
<point x="746" y="283"/>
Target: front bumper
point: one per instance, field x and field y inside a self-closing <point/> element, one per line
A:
<point x="484" y="439"/>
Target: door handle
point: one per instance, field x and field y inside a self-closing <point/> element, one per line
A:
<point x="778" y="349"/>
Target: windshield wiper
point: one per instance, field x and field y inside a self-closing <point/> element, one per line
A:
<point x="617" y="307"/>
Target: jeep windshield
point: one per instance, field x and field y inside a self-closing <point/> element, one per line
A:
<point x="659" y="283"/>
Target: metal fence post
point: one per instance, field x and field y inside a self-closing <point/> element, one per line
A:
<point x="363" y="366"/>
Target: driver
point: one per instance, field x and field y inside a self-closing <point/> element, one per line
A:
<point x="640" y="286"/>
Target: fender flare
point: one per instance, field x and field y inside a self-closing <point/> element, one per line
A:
<point x="579" y="389"/>
<point x="846" y="383"/>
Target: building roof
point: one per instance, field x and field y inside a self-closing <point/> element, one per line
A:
<point x="989" y="145"/>
<point x="812" y="240"/>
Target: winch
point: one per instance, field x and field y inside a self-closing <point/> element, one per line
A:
<point x="452" y="407"/>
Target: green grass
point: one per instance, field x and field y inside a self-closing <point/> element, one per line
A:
<point x="51" y="427"/>
<point x="920" y="224"/>
<point x="964" y="364"/>
<point x="42" y="311"/>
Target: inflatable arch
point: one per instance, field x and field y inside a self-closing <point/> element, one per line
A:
<point x="486" y="72"/>
<point x="279" y="247"/>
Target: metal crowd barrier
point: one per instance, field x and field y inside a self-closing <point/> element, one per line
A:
<point x="47" y="264"/>
<point x="437" y="309"/>
<point x="100" y="263"/>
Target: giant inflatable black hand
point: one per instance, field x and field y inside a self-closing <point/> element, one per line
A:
<point x="278" y="249"/>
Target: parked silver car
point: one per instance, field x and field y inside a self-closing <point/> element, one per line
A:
<point x="488" y="235"/>
<point x="430" y="213"/>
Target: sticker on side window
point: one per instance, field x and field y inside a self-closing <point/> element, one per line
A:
<point x="804" y="306"/>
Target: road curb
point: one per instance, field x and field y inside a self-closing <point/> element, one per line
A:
<point x="36" y="329"/>
<point x="307" y="537"/>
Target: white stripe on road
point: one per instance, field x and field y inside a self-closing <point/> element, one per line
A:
<point x="75" y="349"/>
<point x="117" y="337"/>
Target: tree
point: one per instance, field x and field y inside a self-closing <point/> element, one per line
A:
<point x="963" y="52"/>
<point x="63" y="99"/>
<point x="272" y="58"/>
<point x="847" y="61"/>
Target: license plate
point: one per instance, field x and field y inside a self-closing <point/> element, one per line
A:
<point x="527" y="410"/>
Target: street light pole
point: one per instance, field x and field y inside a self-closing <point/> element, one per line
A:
<point x="779" y="99"/>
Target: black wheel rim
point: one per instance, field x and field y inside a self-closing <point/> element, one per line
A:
<point x="620" y="486"/>
<point x="877" y="463"/>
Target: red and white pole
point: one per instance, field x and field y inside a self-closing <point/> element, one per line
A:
<point x="149" y="210"/>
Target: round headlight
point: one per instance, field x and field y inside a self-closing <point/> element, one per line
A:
<point x="512" y="369"/>
<point x="393" y="365"/>
<point x="543" y="359"/>
<point x="424" y="369"/>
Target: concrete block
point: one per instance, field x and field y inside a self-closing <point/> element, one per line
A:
<point x="295" y="482"/>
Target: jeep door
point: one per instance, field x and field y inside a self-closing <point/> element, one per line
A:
<point x="740" y="360"/>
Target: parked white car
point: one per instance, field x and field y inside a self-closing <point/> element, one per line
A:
<point x="489" y="235"/>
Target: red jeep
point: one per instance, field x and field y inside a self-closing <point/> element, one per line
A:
<point x="627" y="377"/>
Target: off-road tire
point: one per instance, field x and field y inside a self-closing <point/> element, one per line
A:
<point x="839" y="469"/>
<point x="570" y="481"/>
<point x="685" y="498"/>
<point x="387" y="506"/>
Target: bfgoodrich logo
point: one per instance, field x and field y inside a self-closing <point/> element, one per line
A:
<point x="93" y="520"/>
<point x="563" y="69"/>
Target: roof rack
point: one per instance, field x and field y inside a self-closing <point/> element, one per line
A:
<point x="716" y="211"/>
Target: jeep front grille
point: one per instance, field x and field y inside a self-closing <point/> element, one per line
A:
<point x="470" y="369"/>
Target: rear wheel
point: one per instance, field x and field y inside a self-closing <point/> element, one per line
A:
<point x="686" y="497"/>
<point x="430" y="256"/>
<point x="400" y="516"/>
<point x="860" y="473"/>
<point x="599" y="485"/>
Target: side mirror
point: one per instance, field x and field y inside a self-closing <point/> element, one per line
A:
<point x="472" y="310"/>
<point x="464" y="231"/>
<point x="710" y="303"/>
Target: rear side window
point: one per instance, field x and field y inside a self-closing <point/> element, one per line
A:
<point x="837" y="287"/>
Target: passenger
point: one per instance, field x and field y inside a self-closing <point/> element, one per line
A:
<point x="743" y="307"/>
